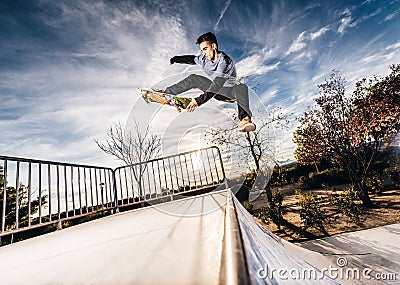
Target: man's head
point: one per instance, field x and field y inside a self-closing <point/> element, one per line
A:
<point x="208" y="45"/>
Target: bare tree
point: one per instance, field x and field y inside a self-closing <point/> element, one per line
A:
<point x="257" y="148"/>
<point x="133" y="148"/>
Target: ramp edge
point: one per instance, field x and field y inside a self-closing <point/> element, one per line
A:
<point x="234" y="269"/>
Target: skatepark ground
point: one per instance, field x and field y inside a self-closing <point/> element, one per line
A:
<point x="374" y="251"/>
<point x="385" y="212"/>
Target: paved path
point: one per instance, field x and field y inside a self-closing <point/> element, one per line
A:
<point x="375" y="253"/>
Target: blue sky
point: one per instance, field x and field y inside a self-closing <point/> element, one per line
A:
<point x="69" y="68"/>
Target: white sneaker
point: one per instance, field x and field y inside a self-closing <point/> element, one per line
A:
<point x="246" y="125"/>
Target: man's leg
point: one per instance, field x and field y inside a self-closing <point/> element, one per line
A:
<point x="238" y="93"/>
<point x="241" y="93"/>
<point x="191" y="82"/>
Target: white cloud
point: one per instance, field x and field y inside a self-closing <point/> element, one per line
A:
<point x="344" y="24"/>
<point x="319" y="33"/>
<point x="228" y="2"/>
<point x="307" y="55"/>
<point x="299" y="43"/>
<point x="254" y="65"/>
<point x="304" y="38"/>
<point x="393" y="46"/>
<point x="348" y="21"/>
<point x="162" y="50"/>
<point x="371" y="58"/>
<point x="390" y="53"/>
<point x="392" y="15"/>
<point x="84" y="89"/>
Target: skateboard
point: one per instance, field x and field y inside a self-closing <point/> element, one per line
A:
<point x="163" y="98"/>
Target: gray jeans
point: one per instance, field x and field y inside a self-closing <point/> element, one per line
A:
<point x="238" y="93"/>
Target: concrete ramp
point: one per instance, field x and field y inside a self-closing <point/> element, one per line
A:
<point x="273" y="260"/>
<point x="207" y="239"/>
<point x="179" y="242"/>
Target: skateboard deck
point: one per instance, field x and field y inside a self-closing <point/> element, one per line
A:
<point x="163" y="98"/>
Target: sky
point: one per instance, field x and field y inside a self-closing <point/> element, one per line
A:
<point x="69" y="69"/>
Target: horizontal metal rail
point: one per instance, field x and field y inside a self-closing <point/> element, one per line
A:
<point x="35" y="193"/>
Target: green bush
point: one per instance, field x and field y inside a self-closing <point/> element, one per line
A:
<point x="248" y="206"/>
<point x="375" y="183"/>
<point x="273" y="212"/>
<point x="344" y="203"/>
<point x="311" y="213"/>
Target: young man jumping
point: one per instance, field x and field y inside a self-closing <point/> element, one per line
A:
<point x="221" y="83"/>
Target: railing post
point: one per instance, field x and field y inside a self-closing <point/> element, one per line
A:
<point x="3" y="215"/>
<point x="114" y="182"/>
<point x="17" y="197"/>
<point x="222" y="167"/>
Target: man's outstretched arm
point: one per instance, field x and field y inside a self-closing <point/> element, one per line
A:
<point x="187" y="59"/>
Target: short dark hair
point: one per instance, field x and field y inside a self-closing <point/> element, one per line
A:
<point x="207" y="37"/>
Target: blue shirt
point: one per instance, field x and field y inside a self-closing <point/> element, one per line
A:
<point x="222" y="67"/>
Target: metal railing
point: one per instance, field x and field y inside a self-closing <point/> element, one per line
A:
<point x="36" y="193"/>
<point x="169" y="176"/>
